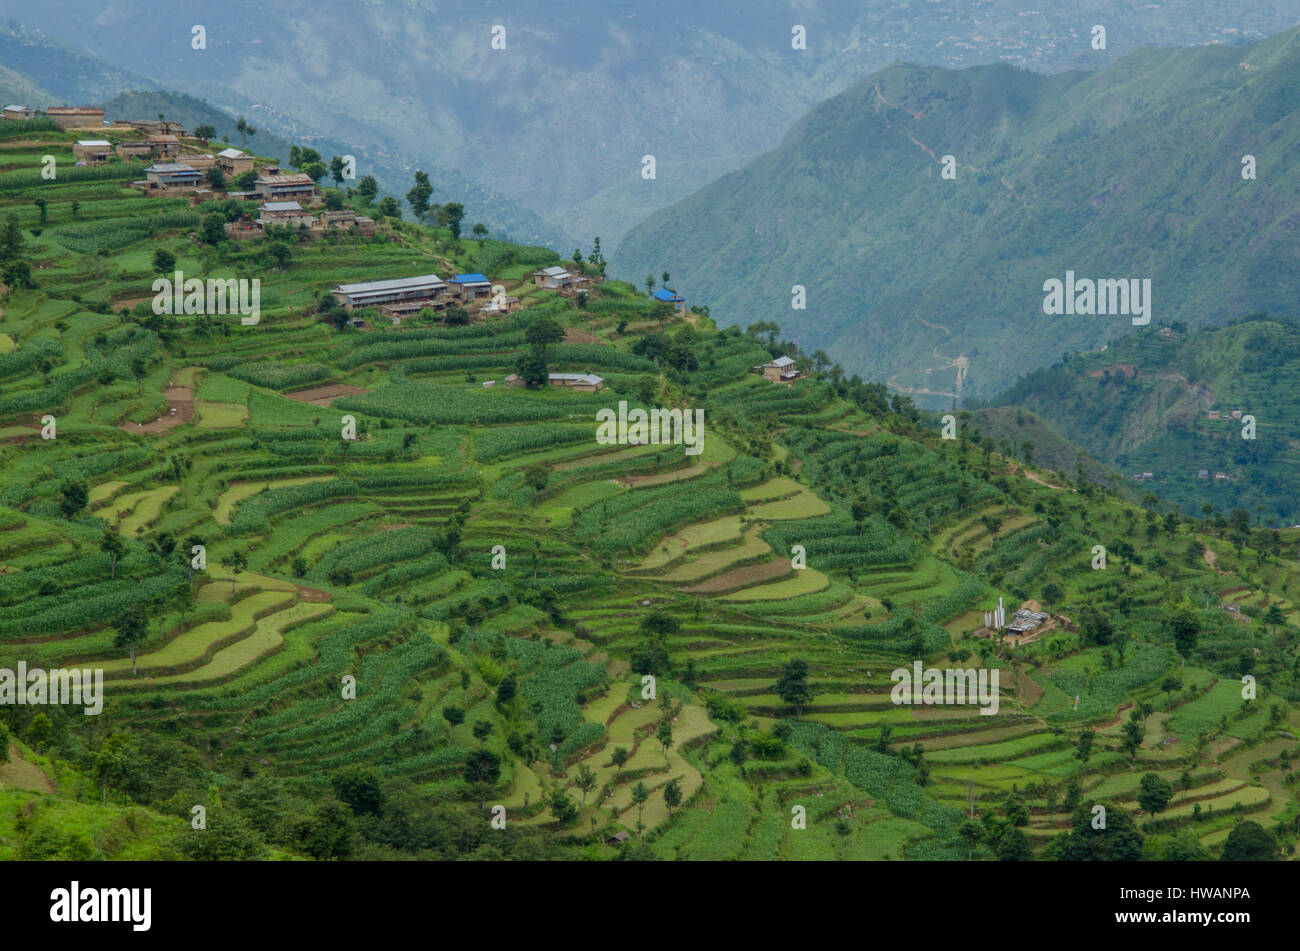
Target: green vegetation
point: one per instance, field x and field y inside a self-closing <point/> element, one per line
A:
<point x="353" y="648"/>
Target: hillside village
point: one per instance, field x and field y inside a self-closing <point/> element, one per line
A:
<point x="427" y="590"/>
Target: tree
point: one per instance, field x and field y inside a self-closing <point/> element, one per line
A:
<point x="454" y="716"/>
<point x="664" y="734"/>
<point x="111" y="544"/>
<point x="418" y="196"/>
<point x="139" y="370"/>
<point x="162" y="545"/>
<point x="793" y="686"/>
<point x="1249" y="842"/>
<point x="368" y="188"/>
<point x="205" y="132"/>
<point x="483" y="767"/>
<point x="480" y="230"/>
<point x="43" y="206"/>
<point x="164" y="261"/>
<point x="212" y="228"/>
<point x="506" y="690"/>
<point x="639" y="796"/>
<point x="1133" y="736"/>
<point x="388" y="207"/>
<point x="216" y="178"/>
<point x="618" y="759"/>
<point x="543" y="332"/>
<point x="112" y="763"/>
<point x="1083" y="750"/>
<point x="1186" y="627"/>
<point x="1014" y="846"/>
<point x="1120" y="841"/>
<point x="245" y="181"/>
<point x="236" y="561"/>
<point x="482" y="730"/>
<point x="1016" y="811"/>
<point x="315" y="170"/>
<point x="1184" y="846"/>
<point x="73" y="497"/>
<point x="1274" y="616"/>
<point x="562" y="807"/>
<point x="37" y="735"/>
<point x="531" y="368"/>
<point x="328" y="834"/>
<point x="358" y="786"/>
<point x="245" y="130"/>
<point x="1171" y="685"/>
<point x="673" y="794"/>
<point x="131" y="629"/>
<point x="1154" y="793"/>
<point x="337" y="168"/>
<point x="586" y="781"/>
<point x="1052" y="594"/>
<point x="450" y="216"/>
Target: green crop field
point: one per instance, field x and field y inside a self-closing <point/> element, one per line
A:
<point x="353" y="646"/>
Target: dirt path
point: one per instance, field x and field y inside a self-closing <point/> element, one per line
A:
<point x="180" y="410"/>
<point x="325" y="395"/>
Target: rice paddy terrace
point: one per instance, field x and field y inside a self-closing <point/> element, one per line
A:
<point x="466" y="599"/>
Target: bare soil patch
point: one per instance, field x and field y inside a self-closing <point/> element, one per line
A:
<point x="325" y="395"/>
<point x="180" y="409"/>
<point x="313" y="595"/>
<point x="743" y="577"/>
<point x="20" y="774"/>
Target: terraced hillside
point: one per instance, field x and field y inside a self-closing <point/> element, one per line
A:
<point x="361" y="646"/>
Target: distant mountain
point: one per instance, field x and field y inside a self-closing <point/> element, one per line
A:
<point x="560" y="118"/>
<point x="41" y="73"/>
<point x="1144" y="404"/>
<point x="937" y="285"/>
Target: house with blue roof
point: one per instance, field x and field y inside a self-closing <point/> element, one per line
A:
<point x="470" y="286"/>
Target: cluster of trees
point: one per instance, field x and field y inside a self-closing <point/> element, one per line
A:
<point x="15" y="271"/>
<point x="541" y="334"/>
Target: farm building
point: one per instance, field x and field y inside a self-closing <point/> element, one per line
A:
<point x="157" y="126"/>
<point x="199" y="160"/>
<point x="234" y="162"/>
<point x="170" y="176"/>
<point x="164" y="147"/>
<point x="92" y="151"/>
<point x="76" y="117"/>
<point x="470" y="286"/>
<point x="558" y="278"/>
<point x="665" y="296"/>
<point x="284" y="214"/>
<point x="424" y="288"/>
<point x="780" y="370"/>
<point x="347" y="221"/>
<point x="286" y="188"/>
<point x="1024" y="621"/>
<point x="506" y="305"/>
<point x="19" y="112"/>
<point x="129" y="150"/>
<point x="586" y="382"/>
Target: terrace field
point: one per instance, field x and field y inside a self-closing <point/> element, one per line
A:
<point x="475" y="603"/>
